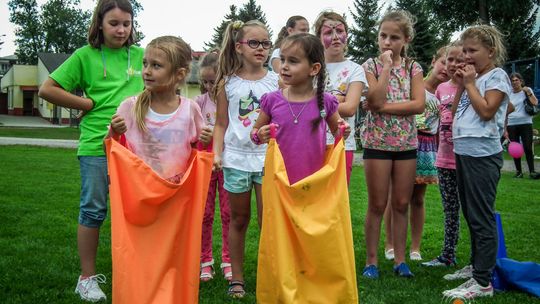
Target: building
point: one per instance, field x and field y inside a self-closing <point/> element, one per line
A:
<point x="21" y="83"/>
<point x="5" y="64"/>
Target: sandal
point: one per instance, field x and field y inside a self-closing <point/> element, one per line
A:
<point x="227" y="271"/>
<point x="207" y="271"/>
<point x="236" y="289"/>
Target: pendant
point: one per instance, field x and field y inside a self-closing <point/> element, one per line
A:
<point x="295" y="121"/>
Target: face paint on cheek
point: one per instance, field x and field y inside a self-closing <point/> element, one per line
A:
<point x="327" y="40"/>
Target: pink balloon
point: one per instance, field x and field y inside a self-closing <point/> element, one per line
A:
<point x="515" y="149"/>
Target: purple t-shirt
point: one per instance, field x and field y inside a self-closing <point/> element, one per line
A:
<point x="302" y="148"/>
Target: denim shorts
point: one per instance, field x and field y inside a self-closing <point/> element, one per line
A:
<point x="94" y="190"/>
<point x="238" y="181"/>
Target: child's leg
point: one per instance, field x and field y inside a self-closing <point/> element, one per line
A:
<point x="450" y="201"/>
<point x="225" y="211"/>
<point x="208" y="221"/>
<point x="258" y="198"/>
<point x="349" y="158"/>
<point x="417" y="216"/>
<point x="377" y="173"/>
<point x="403" y="174"/>
<point x="480" y="178"/>
<point x="389" y="243"/>
<point x="240" y="204"/>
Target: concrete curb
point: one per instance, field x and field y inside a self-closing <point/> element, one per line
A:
<point x="53" y="143"/>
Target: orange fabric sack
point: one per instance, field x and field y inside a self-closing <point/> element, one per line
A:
<point x="156" y="228"/>
<point x="306" y="252"/>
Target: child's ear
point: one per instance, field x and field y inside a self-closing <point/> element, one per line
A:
<point x="181" y="73"/>
<point x="315" y="69"/>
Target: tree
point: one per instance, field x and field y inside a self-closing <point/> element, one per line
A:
<point x="137" y="8"/>
<point x="29" y="31"/>
<point x="363" y="33"/>
<point x="249" y="11"/>
<point x="217" y="37"/>
<point x="515" y="19"/>
<point x="426" y="40"/>
<point x="65" y="26"/>
<point x="58" y="26"/>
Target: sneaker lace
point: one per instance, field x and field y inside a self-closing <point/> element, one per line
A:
<point x="92" y="281"/>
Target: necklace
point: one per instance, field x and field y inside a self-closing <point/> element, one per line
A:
<point x="296" y="116"/>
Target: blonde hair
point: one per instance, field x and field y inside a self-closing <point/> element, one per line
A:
<point x="229" y="61"/>
<point x="405" y="21"/>
<point x="490" y="38"/>
<point x="453" y="44"/>
<point x="328" y="15"/>
<point x="178" y="53"/>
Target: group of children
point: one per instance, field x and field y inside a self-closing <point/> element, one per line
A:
<point x="313" y="89"/>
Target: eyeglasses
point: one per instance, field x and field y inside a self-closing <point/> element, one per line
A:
<point x="254" y="44"/>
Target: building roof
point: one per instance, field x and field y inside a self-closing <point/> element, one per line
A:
<point x="10" y="58"/>
<point x="52" y="60"/>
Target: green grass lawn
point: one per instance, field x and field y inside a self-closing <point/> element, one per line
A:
<point x="49" y="133"/>
<point x="39" y="199"/>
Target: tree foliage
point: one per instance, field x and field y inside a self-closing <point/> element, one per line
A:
<point x="29" y="31"/>
<point x="428" y="35"/>
<point x="363" y="32"/>
<point x="64" y="25"/>
<point x="249" y="11"/>
<point x="514" y="18"/>
<point x="217" y="37"/>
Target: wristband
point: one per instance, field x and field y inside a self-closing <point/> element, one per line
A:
<point x="255" y="137"/>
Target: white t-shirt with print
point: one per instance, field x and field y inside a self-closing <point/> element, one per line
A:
<point x="339" y="76"/>
<point x="244" y="98"/>
<point x="476" y="137"/>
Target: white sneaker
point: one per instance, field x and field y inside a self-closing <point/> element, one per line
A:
<point x="389" y="254"/>
<point x="464" y="273"/>
<point x="89" y="289"/>
<point x="415" y="256"/>
<point x="469" y="290"/>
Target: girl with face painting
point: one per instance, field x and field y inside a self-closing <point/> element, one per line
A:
<point x="346" y="79"/>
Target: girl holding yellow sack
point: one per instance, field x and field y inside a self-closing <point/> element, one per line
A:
<point x="306" y="250"/>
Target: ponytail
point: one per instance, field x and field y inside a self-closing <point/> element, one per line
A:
<point x="229" y="62"/>
<point x="141" y="109"/>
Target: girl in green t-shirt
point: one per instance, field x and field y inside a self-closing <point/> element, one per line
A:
<point x="107" y="70"/>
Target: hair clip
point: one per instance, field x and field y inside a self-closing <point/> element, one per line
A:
<point x="323" y="113"/>
<point x="237" y="24"/>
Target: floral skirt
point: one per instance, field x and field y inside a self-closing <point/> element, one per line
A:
<point x="426" y="172"/>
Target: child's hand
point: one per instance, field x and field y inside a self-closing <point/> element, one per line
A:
<point x="217" y="163"/>
<point x="118" y="125"/>
<point x="386" y="58"/>
<point x="347" y="130"/>
<point x="264" y="133"/>
<point x="458" y="77"/>
<point x="469" y="74"/>
<point x="206" y="135"/>
<point x="340" y="98"/>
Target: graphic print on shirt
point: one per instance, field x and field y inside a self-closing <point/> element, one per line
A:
<point x="157" y="139"/>
<point x="249" y="107"/>
<point x="341" y="80"/>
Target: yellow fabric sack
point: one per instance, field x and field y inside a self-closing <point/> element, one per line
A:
<point x="306" y="252"/>
<point x="156" y="229"/>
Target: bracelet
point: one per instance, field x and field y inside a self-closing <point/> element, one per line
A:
<point x="255" y="137"/>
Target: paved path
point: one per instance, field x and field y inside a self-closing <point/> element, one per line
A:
<point x="26" y="122"/>
<point x="54" y="143"/>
